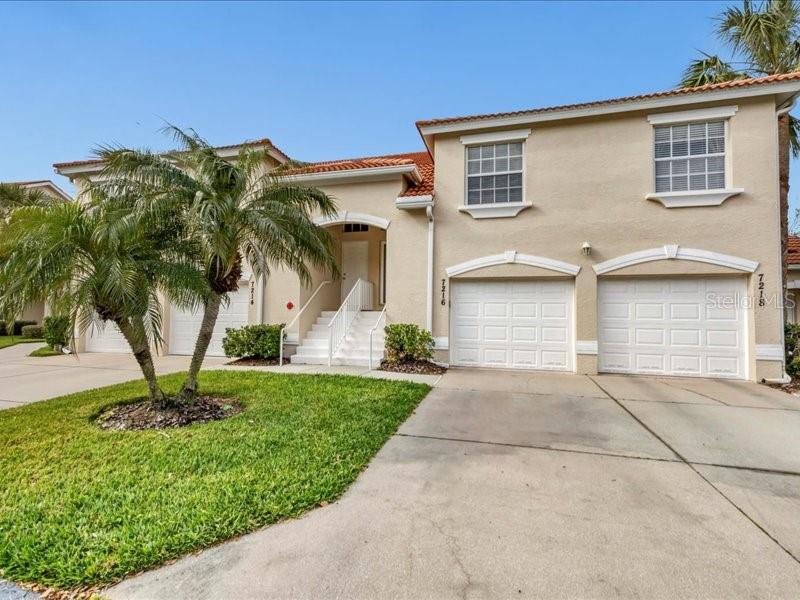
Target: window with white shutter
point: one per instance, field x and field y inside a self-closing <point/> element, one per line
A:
<point x="690" y="156"/>
<point x="494" y="174"/>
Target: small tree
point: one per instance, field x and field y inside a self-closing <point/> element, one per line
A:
<point x="764" y="38"/>
<point x="99" y="264"/>
<point x="233" y="210"/>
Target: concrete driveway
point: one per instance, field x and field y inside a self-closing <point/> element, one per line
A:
<point x="542" y="486"/>
<point x="24" y="379"/>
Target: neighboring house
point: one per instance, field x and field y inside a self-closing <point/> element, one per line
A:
<point x="37" y="311"/>
<point x="635" y="235"/>
<point x="793" y="280"/>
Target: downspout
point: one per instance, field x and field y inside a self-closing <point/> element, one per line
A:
<point x="260" y="308"/>
<point x="429" y="307"/>
<point x="785" y="379"/>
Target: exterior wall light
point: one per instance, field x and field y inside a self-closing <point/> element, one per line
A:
<point x="586" y="248"/>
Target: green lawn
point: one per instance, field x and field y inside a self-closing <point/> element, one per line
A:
<point x="82" y="506"/>
<point x="45" y="351"/>
<point x="7" y="340"/>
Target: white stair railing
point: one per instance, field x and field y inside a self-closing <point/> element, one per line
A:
<point x="378" y="323"/>
<point x="359" y="298"/>
<point x="297" y="316"/>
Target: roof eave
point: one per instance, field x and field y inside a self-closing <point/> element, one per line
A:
<point x="343" y="176"/>
<point x="786" y="89"/>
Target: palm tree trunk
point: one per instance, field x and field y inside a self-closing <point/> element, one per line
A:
<point x="783" y="166"/>
<point x="136" y="337"/>
<point x="188" y="391"/>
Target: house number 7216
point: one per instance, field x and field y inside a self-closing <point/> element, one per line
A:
<point x="444" y="297"/>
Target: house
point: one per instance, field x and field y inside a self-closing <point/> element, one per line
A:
<point x="633" y="235"/>
<point x="793" y="280"/>
<point x="37" y="311"/>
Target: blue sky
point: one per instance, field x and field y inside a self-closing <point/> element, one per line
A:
<point x="323" y="81"/>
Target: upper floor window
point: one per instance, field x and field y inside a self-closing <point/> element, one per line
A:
<point x="690" y="156"/>
<point x="355" y="227"/>
<point x="494" y="174"/>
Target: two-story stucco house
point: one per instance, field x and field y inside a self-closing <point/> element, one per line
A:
<point x="634" y="235"/>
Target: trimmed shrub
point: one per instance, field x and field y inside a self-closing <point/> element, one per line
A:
<point x="791" y="340"/>
<point x="253" y="341"/>
<point x="56" y="331"/>
<point x="18" y="325"/>
<point x="406" y="341"/>
<point x="32" y="331"/>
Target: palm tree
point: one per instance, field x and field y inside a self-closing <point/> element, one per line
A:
<point x="764" y="38"/>
<point x="14" y="196"/>
<point x="96" y="263"/>
<point x="234" y="210"/>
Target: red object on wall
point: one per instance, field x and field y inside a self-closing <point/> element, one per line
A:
<point x="290" y="305"/>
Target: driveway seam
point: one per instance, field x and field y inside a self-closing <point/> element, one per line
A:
<point x="714" y="405"/>
<point x="677" y="387"/>
<point x="532" y="447"/>
<point x="699" y="474"/>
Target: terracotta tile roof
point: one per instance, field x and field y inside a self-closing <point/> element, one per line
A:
<point x="261" y="142"/>
<point x="676" y="92"/>
<point x="793" y="250"/>
<point x="422" y="160"/>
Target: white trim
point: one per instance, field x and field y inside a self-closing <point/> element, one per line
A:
<point x="348" y="216"/>
<point x="407" y="202"/>
<point x="512" y="257"/>
<point x="382" y="274"/>
<point x="441" y="343"/>
<point x="793" y="285"/>
<point x="496" y="210"/>
<point x="429" y="283"/>
<point x="495" y="136"/>
<point x="673" y="251"/>
<point x="771" y="352"/>
<point x="46" y="184"/>
<point x="694" y="198"/>
<point x="700" y="114"/>
<point x="342" y="176"/>
<point x="789" y="87"/>
<point x="586" y="347"/>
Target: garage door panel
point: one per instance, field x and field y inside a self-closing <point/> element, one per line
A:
<point x="686" y="365"/>
<point x="106" y="338"/>
<point x="515" y="324"/>
<point x="684" y="312"/>
<point x="649" y="311"/>
<point x="688" y="330"/>
<point x="685" y="337"/>
<point x="185" y="324"/>
<point x="524" y="359"/>
<point x="524" y="334"/>
<point x="650" y="337"/>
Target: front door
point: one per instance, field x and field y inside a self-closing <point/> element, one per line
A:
<point x="354" y="264"/>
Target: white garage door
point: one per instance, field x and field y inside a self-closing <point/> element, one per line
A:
<point x="107" y="339"/>
<point x="677" y="326"/>
<point x="185" y="325"/>
<point x="512" y="324"/>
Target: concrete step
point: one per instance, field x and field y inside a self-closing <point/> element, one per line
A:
<point x="298" y="359"/>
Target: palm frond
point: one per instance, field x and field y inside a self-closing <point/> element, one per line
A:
<point x="709" y="69"/>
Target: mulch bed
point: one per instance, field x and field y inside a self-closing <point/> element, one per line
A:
<point x="145" y="415"/>
<point x="419" y="367"/>
<point x="793" y="387"/>
<point x="255" y="362"/>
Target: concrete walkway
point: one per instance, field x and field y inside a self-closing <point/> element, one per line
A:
<point x="542" y="486"/>
<point x="25" y="379"/>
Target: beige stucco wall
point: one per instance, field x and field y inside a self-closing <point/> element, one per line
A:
<point x="406" y="260"/>
<point x="587" y="180"/>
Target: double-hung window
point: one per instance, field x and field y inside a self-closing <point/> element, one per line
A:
<point x="494" y="174"/>
<point x="690" y="156"/>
